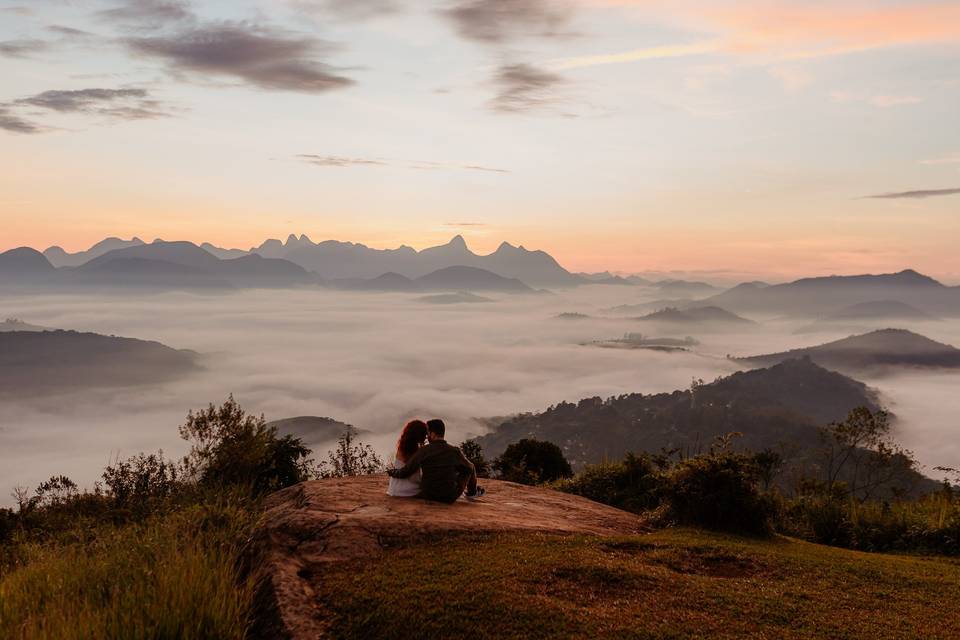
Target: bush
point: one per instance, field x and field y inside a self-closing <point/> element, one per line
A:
<point x="350" y="458"/>
<point x="719" y="490"/>
<point x="532" y="461"/>
<point x="634" y="484"/>
<point x="230" y="447"/>
<point x="474" y="453"/>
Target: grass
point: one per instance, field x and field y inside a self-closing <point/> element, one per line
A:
<point x="678" y="583"/>
<point x="170" y="576"/>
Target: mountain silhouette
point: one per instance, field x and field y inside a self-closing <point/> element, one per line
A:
<point x="819" y="296"/>
<point x="461" y="278"/>
<point x="696" y="315"/>
<point x="881" y="349"/>
<point x="60" y="258"/>
<point x="37" y="362"/>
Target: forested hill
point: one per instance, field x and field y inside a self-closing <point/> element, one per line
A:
<point x="782" y="404"/>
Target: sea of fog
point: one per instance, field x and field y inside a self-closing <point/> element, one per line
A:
<point x="376" y="360"/>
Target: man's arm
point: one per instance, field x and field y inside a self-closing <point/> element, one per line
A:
<point x="413" y="464"/>
<point x="465" y="467"/>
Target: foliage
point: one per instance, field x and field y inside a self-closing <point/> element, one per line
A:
<point x="474" y="453"/>
<point x="531" y="461"/>
<point x="229" y="447"/>
<point x="350" y="458"/>
<point x="138" y="482"/>
<point x="633" y="484"/>
<point x="860" y="451"/>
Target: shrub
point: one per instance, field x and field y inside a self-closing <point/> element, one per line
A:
<point x="138" y="482"/>
<point x="532" y="461"/>
<point x="718" y="490"/>
<point x="632" y="484"/>
<point x="474" y="453"/>
<point x="230" y="447"/>
<point x="350" y="458"/>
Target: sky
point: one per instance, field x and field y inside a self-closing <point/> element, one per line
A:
<point x="774" y="138"/>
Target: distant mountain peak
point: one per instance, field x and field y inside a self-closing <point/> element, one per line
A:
<point x="457" y="242"/>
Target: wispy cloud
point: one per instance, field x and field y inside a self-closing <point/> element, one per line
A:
<point x="922" y="193"/>
<point x="524" y="87"/>
<point x="343" y="161"/>
<point x="635" y="55"/>
<point x="148" y="14"/>
<point x="347" y="9"/>
<point x="948" y="159"/>
<point x="885" y="102"/>
<point x="15" y="124"/>
<point x="259" y="56"/>
<point x="124" y="104"/>
<point x="458" y="225"/>
<point x="496" y="21"/>
<point x="22" y="48"/>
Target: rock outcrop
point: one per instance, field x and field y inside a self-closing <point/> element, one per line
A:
<point x="308" y="526"/>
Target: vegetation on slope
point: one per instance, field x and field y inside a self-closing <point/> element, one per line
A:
<point x="677" y="583"/>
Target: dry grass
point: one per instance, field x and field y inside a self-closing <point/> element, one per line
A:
<point x="672" y="584"/>
<point x="173" y="576"/>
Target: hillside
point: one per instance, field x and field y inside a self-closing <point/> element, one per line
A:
<point x="338" y="558"/>
<point x="784" y="403"/>
<point x="15" y="324"/>
<point x="876" y="350"/>
<point x="460" y="297"/>
<point x="461" y="278"/>
<point x="812" y="297"/>
<point x="60" y="258"/>
<point x="46" y="361"/>
<point x="313" y="430"/>
<point x="707" y="316"/>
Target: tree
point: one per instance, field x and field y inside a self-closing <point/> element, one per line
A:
<point x="532" y="461"/>
<point x="350" y="458"/>
<point x="769" y="463"/>
<point x="861" y="453"/>
<point x="230" y="447"/>
<point x="474" y="453"/>
<point x="56" y="491"/>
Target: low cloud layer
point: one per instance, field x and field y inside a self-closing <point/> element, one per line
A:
<point x="260" y="56"/>
<point x="22" y="48"/>
<point x="918" y="194"/>
<point x="524" y="87"/>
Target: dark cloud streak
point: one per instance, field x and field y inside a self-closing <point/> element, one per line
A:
<point x="496" y="21"/>
<point x="342" y="161"/>
<point x="148" y="13"/>
<point x="259" y="56"/>
<point x="22" y="48"/>
<point x="15" y="124"/>
<point x="919" y="194"/>
<point x="523" y="87"/>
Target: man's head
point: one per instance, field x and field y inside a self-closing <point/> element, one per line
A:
<point x="436" y="429"/>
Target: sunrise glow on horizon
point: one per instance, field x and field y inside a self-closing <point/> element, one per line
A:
<point x="770" y="138"/>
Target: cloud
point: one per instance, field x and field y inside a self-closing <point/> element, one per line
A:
<point x="923" y="193"/>
<point x="885" y="102"/>
<point x="523" y="87"/>
<point x="635" y="55"/>
<point x="15" y="124"/>
<point x="496" y="21"/>
<point x="68" y="32"/>
<point x="348" y="9"/>
<point x="22" y="48"/>
<point x="342" y="161"/>
<point x="124" y="104"/>
<point x="148" y="13"/>
<point x="259" y="56"/>
<point x="339" y="161"/>
<point x="948" y="159"/>
<point x="464" y="224"/>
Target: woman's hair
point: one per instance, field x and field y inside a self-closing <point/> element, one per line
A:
<point x="414" y="433"/>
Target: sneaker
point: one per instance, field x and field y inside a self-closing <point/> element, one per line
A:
<point x="473" y="496"/>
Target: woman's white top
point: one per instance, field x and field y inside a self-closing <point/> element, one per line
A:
<point x="404" y="487"/>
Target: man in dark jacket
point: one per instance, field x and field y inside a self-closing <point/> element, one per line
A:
<point x="446" y="471"/>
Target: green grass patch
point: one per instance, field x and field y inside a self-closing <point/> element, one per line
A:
<point x="173" y="575"/>
<point x="676" y="583"/>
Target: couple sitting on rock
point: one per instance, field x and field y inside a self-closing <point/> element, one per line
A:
<point x="433" y="471"/>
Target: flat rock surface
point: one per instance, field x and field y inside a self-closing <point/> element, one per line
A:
<point x="308" y="526"/>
